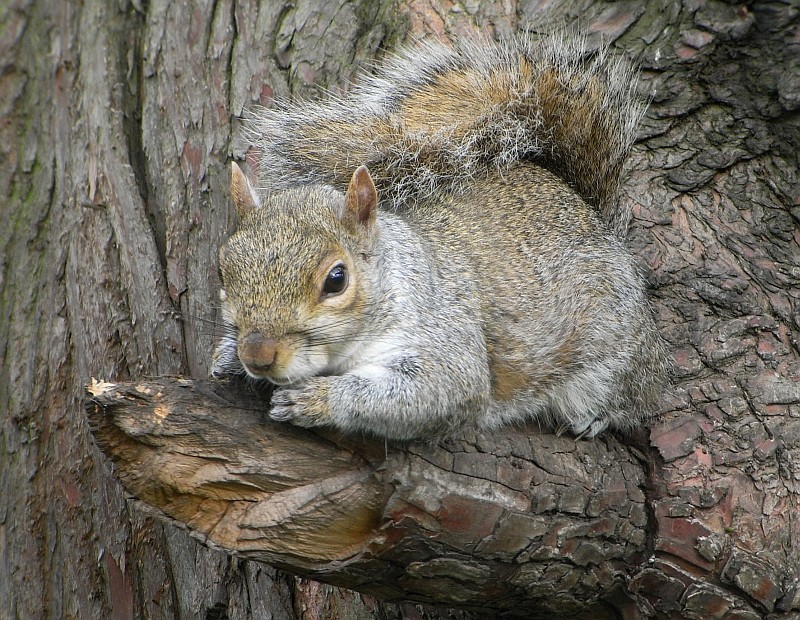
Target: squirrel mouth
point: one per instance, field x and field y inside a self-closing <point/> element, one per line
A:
<point x="265" y="375"/>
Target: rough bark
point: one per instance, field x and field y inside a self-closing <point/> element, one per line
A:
<point x="118" y="123"/>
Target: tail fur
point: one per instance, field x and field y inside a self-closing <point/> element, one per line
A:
<point x="433" y="117"/>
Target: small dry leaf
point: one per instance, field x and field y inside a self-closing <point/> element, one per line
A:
<point x="96" y="388"/>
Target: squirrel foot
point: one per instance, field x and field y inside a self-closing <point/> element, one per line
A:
<point x="304" y="403"/>
<point x="589" y="429"/>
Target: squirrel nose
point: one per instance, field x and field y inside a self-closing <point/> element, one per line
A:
<point x="257" y="353"/>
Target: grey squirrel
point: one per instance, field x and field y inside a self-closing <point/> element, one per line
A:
<point x="442" y="247"/>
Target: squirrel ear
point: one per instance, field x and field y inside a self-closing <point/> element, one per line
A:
<point x="243" y="195"/>
<point x="362" y="197"/>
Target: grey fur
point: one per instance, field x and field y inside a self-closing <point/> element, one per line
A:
<point x="493" y="286"/>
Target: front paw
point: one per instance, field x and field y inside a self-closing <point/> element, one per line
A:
<point x="304" y="404"/>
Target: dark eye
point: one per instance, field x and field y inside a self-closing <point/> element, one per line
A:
<point x="336" y="281"/>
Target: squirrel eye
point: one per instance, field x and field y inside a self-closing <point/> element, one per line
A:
<point x="336" y="281"/>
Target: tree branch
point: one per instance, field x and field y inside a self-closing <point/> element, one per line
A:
<point x="518" y="521"/>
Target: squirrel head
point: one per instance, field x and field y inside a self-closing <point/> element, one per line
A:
<point x="295" y="277"/>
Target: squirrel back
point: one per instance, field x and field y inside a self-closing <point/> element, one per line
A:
<point x="433" y="117"/>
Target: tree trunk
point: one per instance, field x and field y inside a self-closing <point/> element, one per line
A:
<point x="118" y="125"/>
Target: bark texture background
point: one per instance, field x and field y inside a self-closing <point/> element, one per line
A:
<point x="118" y="121"/>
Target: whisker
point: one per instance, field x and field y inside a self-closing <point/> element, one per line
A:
<point x="198" y="319"/>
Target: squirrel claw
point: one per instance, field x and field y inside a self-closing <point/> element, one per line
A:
<point x="589" y="429"/>
<point x="284" y="408"/>
<point x="304" y="405"/>
<point x="281" y="413"/>
<point x="281" y="398"/>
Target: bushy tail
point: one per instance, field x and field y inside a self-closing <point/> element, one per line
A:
<point x="433" y="117"/>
